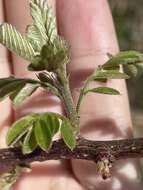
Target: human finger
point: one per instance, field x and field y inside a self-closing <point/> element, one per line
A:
<point x="88" y="27"/>
<point x="39" y="102"/>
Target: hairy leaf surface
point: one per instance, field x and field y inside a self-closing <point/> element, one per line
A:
<point x="21" y="94"/>
<point x="16" y="42"/>
<point x="44" y="23"/>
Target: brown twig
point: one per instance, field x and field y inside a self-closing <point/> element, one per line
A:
<point x="101" y="152"/>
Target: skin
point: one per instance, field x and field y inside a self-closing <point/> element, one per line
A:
<point x="88" y="27"/>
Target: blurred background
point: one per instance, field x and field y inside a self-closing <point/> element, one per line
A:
<point x="128" y="19"/>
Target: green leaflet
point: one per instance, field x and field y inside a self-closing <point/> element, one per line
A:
<point x="18" y="89"/>
<point x="67" y="134"/>
<point x="21" y="94"/>
<point x="126" y="57"/>
<point x="101" y="75"/>
<point x="52" y="122"/>
<point x="29" y="143"/>
<point x="42" y="134"/>
<point x="6" y="80"/>
<point x="34" y="129"/>
<point x="9" y="88"/>
<point x="103" y="90"/>
<point x="44" y="23"/>
<point x="18" y="129"/>
<point x="16" y="42"/>
<point x="35" y="37"/>
<point x="109" y="74"/>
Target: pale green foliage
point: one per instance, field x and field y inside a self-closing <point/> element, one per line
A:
<point x="16" y="42"/>
<point x="52" y="56"/>
<point x="124" y="58"/>
<point x="52" y="122"/>
<point x="18" y="129"/>
<point x="35" y="37"/>
<point x="131" y="60"/>
<point x="53" y="50"/>
<point x="21" y="94"/>
<point x="38" y="130"/>
<point x="101" y="74"/>
<point x="29" y="142"/>
<point x="41" y="45"/>
<point x="18" y="89"/>
<point x="43" y="28"/>
<point x="111" y="70"/>
<point x="67" y="134"/>
<point x="42" y="134"/>
<point x="103" y="90"/>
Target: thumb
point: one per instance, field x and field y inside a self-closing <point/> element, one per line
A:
<point x="88" y="27"/>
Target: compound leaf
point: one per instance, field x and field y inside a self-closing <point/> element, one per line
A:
<point x="103" y="90"/>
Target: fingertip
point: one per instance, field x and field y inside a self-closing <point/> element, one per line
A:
<point x="86" y="25"/>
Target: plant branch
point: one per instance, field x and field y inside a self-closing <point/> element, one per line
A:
<point x="82" y="93"/>
<point x="68" y="100"/>
<point x="86" y="149"/>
